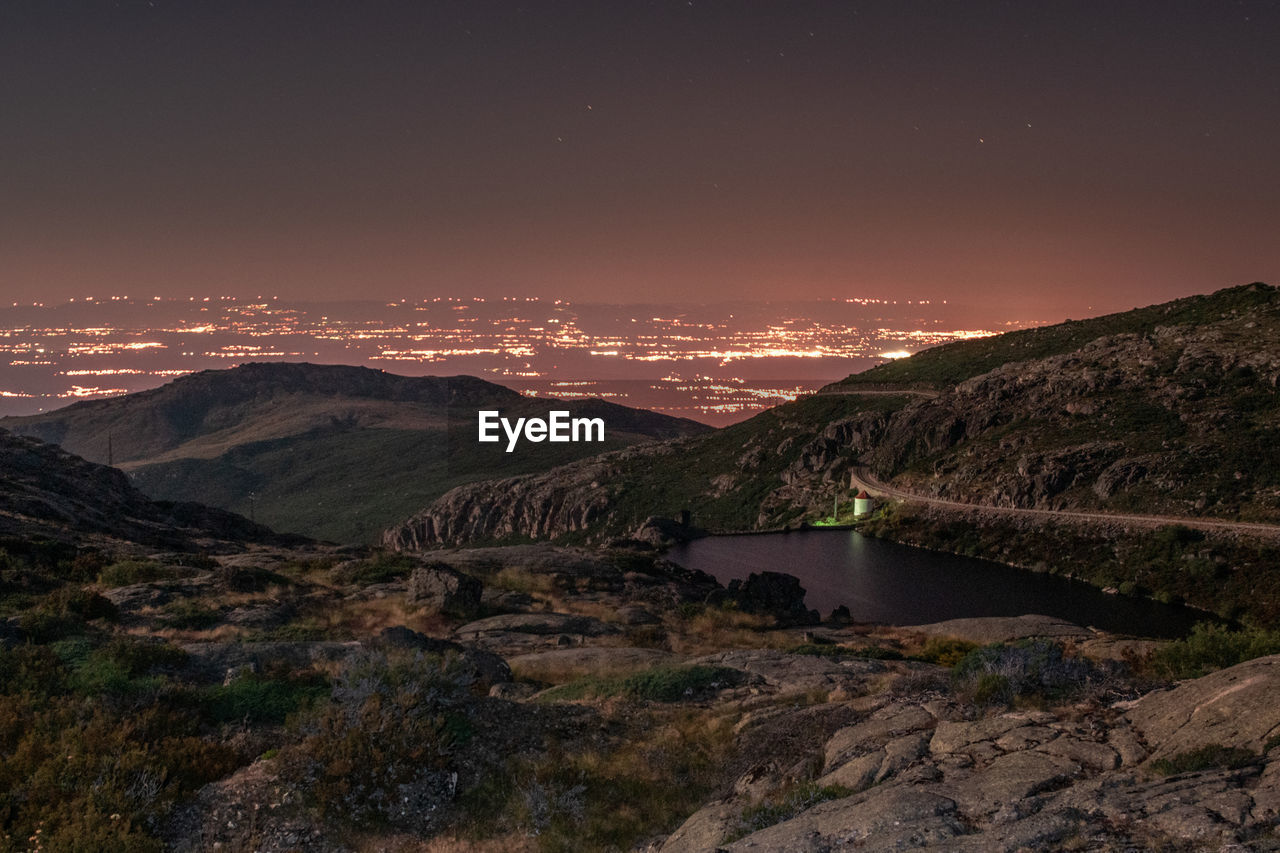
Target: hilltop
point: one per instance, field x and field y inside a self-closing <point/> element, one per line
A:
<point x="331" y="451"/>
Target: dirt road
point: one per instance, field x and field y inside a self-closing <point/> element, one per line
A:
<point x="862" y="479"/>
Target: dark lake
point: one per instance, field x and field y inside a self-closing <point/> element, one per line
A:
<point x="896" y="584"/>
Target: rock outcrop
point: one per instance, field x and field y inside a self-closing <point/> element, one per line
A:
<point x="774" y="593"/>
<point x="534" y="506"/>
<point x="437" y="588"/>
<point x="925" y="773"/>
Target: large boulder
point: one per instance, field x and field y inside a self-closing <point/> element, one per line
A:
<point x="773" y="593"/>
<point x="438" y="588"/>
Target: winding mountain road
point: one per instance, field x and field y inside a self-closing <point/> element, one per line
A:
<point x="863" y="479"/>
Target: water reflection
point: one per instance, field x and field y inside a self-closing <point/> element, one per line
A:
<point x="886" y="582"/>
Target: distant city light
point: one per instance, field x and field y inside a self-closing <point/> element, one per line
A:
<point x="708" y="354"/>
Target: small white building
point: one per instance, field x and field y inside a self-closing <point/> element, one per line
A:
<point x="863" y="503"/>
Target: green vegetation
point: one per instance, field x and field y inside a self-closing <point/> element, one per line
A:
<point x="257" y="699"/>
<point x="945" y="651"/>
<point x="64" y="612"/>
<point x="659" y="684"/>
<point x="1211" y="757"/>
<point x="126" y="572"/>
<point x="380" y="568"/>
<point x="99" y="746"/>
<point x="381" y="751"/>
<point x="187" y="615"/>
<point x="1211" y="647"/>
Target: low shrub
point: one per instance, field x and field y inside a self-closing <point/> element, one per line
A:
<point x="379" y="568"/>
<point x="303" y="631"/>
<point x="79" y="603"/>
<point x="837" y="651"/>
<point x="610" y="797"/>
<point x="187" y="615"/>
<point x="258" y="699"/>
<point x="127" y="572"/>
<point x="1211" y="647"/>
<point x="250" y="579"/>
<point x="381" y="751"/>
<point x="944" y="651"/>
<point x="86" y="772"/>
<point x="63" y="613"/>
<point x="1210" y="757"/>
<point x="999" y="674"/>
<point x="32" y="670"/>
<point x="659" y="684"/>
<point x="122" y="667"/>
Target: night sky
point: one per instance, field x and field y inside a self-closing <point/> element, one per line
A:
<point x="1049" y="158"/>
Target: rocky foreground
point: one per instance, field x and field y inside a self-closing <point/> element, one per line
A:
<point x="927" y="771"/>
<point x="611" y="700"/>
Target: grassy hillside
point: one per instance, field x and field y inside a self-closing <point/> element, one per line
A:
<point x="944" y="366"/>
<point x="346" y="485"/>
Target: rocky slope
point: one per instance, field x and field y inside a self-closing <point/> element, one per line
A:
<point x="48" y="493"/>
<point x="542" y="698"/>
<point x="327" y="450"/>
<point x="1178" y="421"/>
<point x="803" y="739"/>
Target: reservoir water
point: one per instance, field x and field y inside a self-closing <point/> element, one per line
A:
<point x="896" y="584"/>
